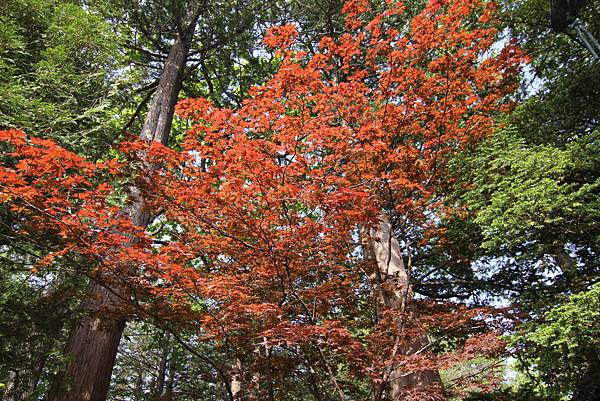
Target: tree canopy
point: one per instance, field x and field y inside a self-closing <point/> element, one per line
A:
<point x="317" y="201"/>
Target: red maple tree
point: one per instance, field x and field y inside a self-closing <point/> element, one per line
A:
<point x="273" y="217"/>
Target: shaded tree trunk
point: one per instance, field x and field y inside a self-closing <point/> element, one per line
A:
<point x="588" y="386"/>
<point x="21" y="385"/>
<point x="139" y="384"/>
<point x="393" y="292"/>
<point x="171" y="379"/>
<point x="94" y="340"/>
<point x="10" y="390"/>
<point x="92" y="349"/>
<point x="162" y="367"/>
<point x="38" y="367"/>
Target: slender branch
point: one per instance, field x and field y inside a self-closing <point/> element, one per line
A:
<point x="139" y="108"/>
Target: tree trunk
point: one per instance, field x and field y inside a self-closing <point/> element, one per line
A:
<point x="10" y="390"/>
<point x="393" y="292"/>
<point x="171" y="379"/>
<point x="38" y="367"/>
<point x="93" y="342"/>
<point x="588" y="385"/>
<point x="162" y="367"/>
<point x="92" y="347"/>
<point x="236" y="380"/>
<point x="157" y="124"/>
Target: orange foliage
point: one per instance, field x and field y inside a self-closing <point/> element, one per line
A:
<point x="263" y="202"/>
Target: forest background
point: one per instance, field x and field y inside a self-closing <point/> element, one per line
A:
<point x="379" y="201"/>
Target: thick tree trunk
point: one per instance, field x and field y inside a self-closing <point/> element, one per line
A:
<point x="93" y="343"/>
<point x="92" y="347"/>
<point x="157" y="124"/>
<point x="393" y="292"/>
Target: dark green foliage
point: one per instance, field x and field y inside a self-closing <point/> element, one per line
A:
<point x="57" y="64"/>
<point x="35" y="308"/>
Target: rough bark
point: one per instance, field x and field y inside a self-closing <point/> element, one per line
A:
<point x="393" y="292"/>
<point x="157" y="124"/>
<point x="236" y="380"/>
<point x="94" y="340"/>
<point x="92" y="346"/>
<point x="10" y="393"/>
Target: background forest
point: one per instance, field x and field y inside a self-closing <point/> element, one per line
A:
<point x="299" y="200"/>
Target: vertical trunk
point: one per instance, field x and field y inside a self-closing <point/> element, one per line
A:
<point x="236" y="380"/>
<point x="393" y="292"/>
<point x="139" y="383"/>
<point x="157" y="124"/>
<point x="313" y="383"/>
<point x="21" y="385"/>
<point x="162" y="368"/>
<point x="38" y="367"/>
<point x="93" y="342"/>
<point x="588" y="385"/>
<point x="269" y="379"/>
<point x="10" y="392"/>
<point x="92" y="348"/>
<point x="171" y="379"/>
